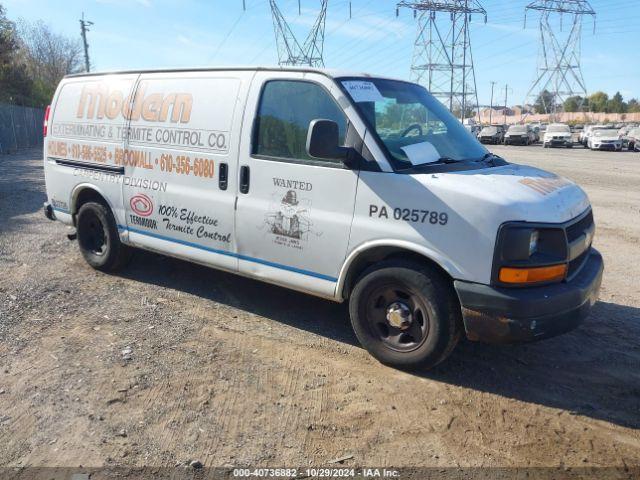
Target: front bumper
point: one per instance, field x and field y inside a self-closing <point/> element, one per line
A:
<point x="559" y="142"/>
<point x="516" y="140"/>
<point x="607" y="146"/>
<point x="516" y="315"/>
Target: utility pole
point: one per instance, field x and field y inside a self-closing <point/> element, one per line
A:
<point x="506" y="101"/>
<point x="493" y="84"/>
<point x="559" y="70"/>
<point x="442" y="56"/>
<point x="84" y="24"/>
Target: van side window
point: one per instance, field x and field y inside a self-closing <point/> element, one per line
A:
<point x="286" y="109"/>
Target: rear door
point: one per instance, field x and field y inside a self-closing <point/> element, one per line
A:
<point x="294" y="212"/>
<point x="180" y="158"/>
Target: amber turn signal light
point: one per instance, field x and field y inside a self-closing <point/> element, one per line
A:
<point x="533" y="275"/>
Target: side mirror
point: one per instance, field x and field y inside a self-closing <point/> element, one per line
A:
<point x="323" y="141"/>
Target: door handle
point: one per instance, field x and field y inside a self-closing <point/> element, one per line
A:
<point x="223" y="176"/>
<point x="245" y="178"/>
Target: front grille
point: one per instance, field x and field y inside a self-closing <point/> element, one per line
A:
<point x="575" y="230"/>
<point x="576" y="264"/>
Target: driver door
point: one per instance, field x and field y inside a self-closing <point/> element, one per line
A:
<point x="294" y="212"/>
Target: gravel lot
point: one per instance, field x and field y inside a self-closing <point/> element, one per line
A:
<point x="229" y="371"/>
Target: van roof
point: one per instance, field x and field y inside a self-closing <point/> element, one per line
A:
<point x="332" y="73"/>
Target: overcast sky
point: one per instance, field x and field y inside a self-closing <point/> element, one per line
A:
<point x="131" y="34"/>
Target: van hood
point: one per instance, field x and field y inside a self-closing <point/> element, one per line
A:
<point x="508" y="193"/>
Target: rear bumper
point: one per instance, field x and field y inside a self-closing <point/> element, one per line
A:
<point x="509" y="315"/>
<point x="48" y="211"/>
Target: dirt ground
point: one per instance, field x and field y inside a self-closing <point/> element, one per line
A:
<point x="230" y="371"/>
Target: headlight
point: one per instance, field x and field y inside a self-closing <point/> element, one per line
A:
<point x="533" y="242"/>
<point x="528" y="254"/>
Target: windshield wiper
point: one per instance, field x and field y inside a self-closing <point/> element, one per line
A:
<point x="491" y="158"/>
<point x="440" y="161"/>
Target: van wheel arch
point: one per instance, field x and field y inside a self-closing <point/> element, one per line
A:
<point x="85" y="195"/>
<point x="370" y="257"/>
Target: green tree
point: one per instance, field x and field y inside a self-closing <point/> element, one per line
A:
<point x="48" y="57"/>
<point x="616" y="104"/>
<point x="573" y="104"/>
<point x="14" y="82"/>
<point x="545" y="102"/>
<point x="633" y="106"/>
<point x="598" y="102"/>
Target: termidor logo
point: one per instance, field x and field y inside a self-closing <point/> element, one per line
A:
<point x="98" y="101"/>
<point x="141" y="205"/>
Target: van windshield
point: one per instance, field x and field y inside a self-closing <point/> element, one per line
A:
<point x="415" y="128"/>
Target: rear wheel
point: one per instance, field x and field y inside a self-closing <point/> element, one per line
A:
<point x="405" y="315"/>
<point x="98" y="238"/>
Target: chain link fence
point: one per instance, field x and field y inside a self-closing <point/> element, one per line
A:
<point x="20" y="127"/>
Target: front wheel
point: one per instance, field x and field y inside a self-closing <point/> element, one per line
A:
<point x="98" y="238"/>
<point x="405" y="315"/>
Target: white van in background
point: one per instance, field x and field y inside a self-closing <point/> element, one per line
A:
<point x="349" y="187"/>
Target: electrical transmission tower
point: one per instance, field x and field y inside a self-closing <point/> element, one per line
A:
<point x="442" y="58"/>
<point x="290" y="50"/>
<point x="559" y="71"/>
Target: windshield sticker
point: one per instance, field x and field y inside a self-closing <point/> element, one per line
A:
<point x="362" y="91"/>
<point x="420" y="153"/>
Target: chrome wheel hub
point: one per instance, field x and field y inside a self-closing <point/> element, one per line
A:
<point x="399" y="316"/>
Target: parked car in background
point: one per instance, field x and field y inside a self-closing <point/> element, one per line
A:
<point x="536" y="130"/>
<point x="624" y="135"/>
<point x="633" y="139"/>
<point x="493" y="134"/>
<point x="519" y="135"/>
<point x="605" y="139"/>
<point x="588" y="132"/>
<point x="558" y="135"/>
<point x="583" y="134"/>
<point x="473" y="129"/>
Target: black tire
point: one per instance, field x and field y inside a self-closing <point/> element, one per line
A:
<point x="434" y="325"/>
<point x="98" y="238"/>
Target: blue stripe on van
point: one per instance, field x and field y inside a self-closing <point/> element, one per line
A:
<point x="61" y="210"/>
<point x="231" y="254"/>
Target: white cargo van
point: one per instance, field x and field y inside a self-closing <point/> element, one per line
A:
<point x="349" y="187"/>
